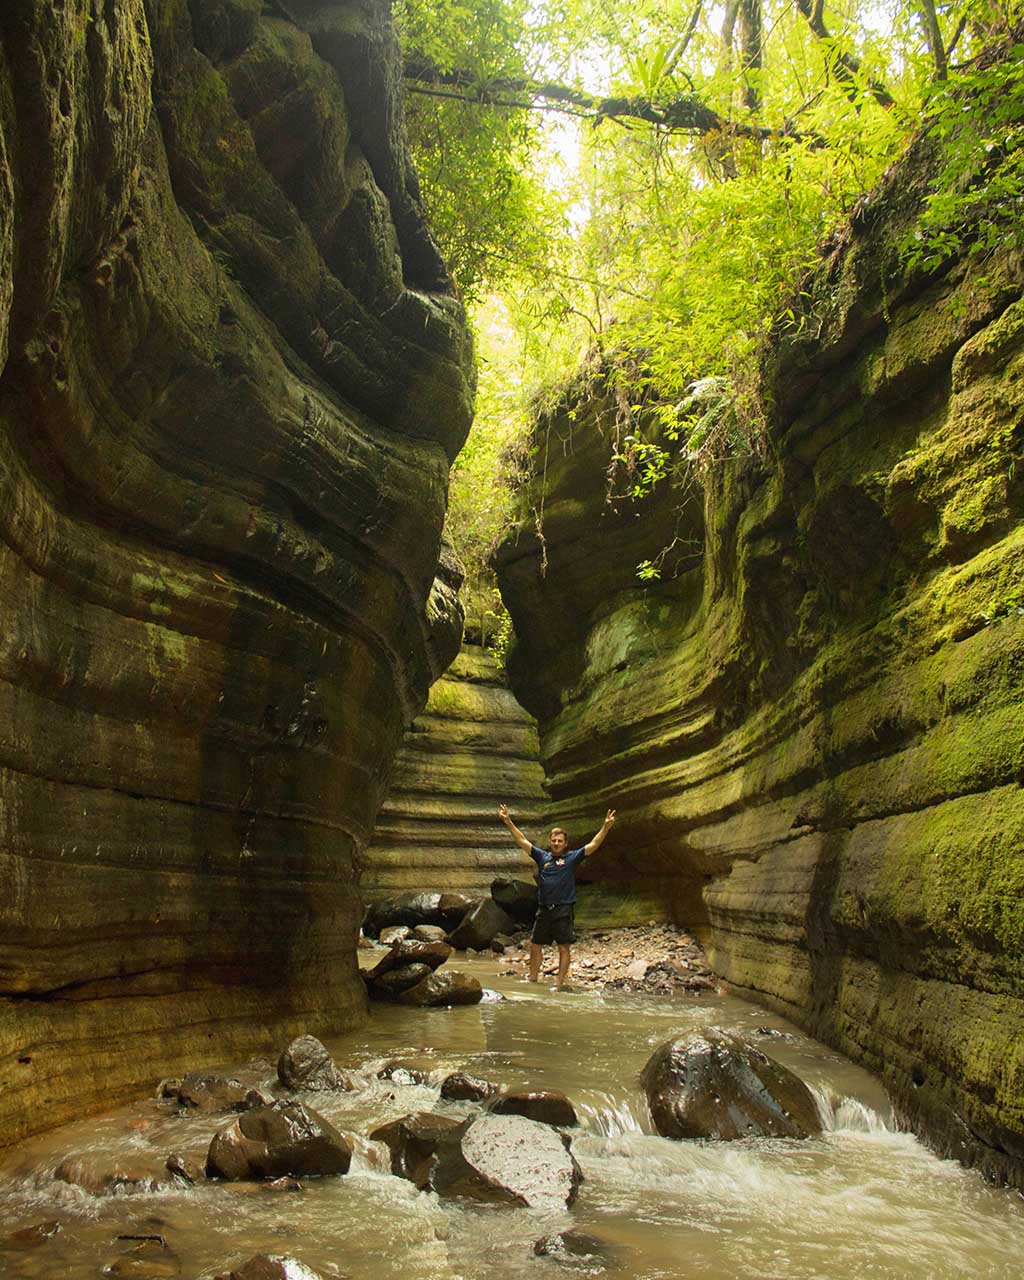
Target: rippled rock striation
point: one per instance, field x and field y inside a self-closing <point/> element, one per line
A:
<point x="811" y="726"/>
<point x="472" y="748"/>
<point x="232" y="378"/>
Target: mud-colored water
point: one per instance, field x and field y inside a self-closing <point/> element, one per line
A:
<point x="861" y="1201"/>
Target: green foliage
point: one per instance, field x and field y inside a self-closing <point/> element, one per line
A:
<point x="501" y="639"/>
<point x="485" y="471"/>
<point x="607" y="235"/>
<point x="474" y="159"/>
<point x="977" y="204"/>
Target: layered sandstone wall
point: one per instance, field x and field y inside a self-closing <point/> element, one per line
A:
<point x="812" y="726"/>
<point x="472" y="748"/>
<point x="232" y="378"/>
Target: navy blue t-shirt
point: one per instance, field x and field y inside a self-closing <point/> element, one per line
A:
<point x="557" y="883"/>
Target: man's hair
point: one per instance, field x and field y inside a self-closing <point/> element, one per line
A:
<point x="557" y="831"/>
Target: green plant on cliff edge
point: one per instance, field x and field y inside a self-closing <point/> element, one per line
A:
<point x="977" y="201"/>
<point x="696" y="161"/>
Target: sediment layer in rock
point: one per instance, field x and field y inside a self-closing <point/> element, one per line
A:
<point x="232" y="377"/>
<point x="472" y="748"/>
<point x="812" y="730"/>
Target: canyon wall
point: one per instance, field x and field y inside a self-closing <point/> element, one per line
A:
<point x="232" y="378"/>
<point x="472" y="748"/>
<point x="811" y="725"/>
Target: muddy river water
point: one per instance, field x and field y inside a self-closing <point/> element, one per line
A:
<point x="861" y="1201"/>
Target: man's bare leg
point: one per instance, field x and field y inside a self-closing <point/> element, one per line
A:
<point x="564" y="956"/>
<point x="536" y="956"/>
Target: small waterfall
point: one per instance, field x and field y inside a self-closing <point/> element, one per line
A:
<point x="841" y="1114"/>
<point x="610" y="1117"/>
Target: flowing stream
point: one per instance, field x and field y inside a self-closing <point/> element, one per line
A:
<point x="861" y="1201"/>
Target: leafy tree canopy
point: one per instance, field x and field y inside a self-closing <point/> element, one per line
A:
<point x="657" y="176"/>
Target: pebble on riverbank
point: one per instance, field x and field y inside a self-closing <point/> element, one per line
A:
<point x="655" y="959"/>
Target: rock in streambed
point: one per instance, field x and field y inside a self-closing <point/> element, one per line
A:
<point x="710" y="1084"/>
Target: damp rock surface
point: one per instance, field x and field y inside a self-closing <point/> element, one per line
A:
<point x="507" y="1159"/>
<point x="714" y="1085"/>
<point x="233" y="375"/>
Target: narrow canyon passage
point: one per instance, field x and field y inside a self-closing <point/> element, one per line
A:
<point x="860" y="1200"/>
<point x="322" y="363"/>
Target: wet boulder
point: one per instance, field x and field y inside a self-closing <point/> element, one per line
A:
<point x="443" y="989"/>
<point x="104" y="1174"/>
<point x="407" y="908"/>
<point x="547" y="1106"/>
<point x="404" y="1073"/>
<point x="710" y="1084"/>
<point x="306" y="1064"/>
<point x="452" y="908"/>
<point x="390" y="985"/>
<point x="270" y="1142"/>
<point x="411" y="951"/>
<point x="396" y="933"/>
<point x="30" y="1237"/>
<point x="506" y="1159"/>
<point x="479" y="925"/>
<point x="183" y="1170"/>
<point x="429" y="933"/>
<point x="412" y="1142"/>
<point x="264" y="1266"/>
<point x="199" y="1091"/>
<point x="462" y="1087"/>
<point x="149" y="1258"/>
<point x="577" y="1250"/>
<point x="517" y="898"/>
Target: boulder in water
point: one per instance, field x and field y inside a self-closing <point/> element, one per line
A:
<point x="411" y="951"/>
<point x="577" y="1249"/>
<point x="396" y="933"/>
<point x="429" y="933"/>
<point x="461" y="1087"/>
<point x="506" y="1159"/>
<point x="263" y="1266"/>
<point x="452" y="908"/>
<point x="479" y="925"/>
<point x="183" y="1169"/>
<point x="407" y="908"/>
<point x="269" y="1142"/>
<point x="443" y="989"/>
<point x="150" y="1258"/>
<point x="390" y="985"/>
<point x="104" y="1174"/>
<point x="710" y="1084"/>
<point x="412" y="1141"/>
<point x="30" y="1237"/>
<point x="400" y="1072"/>
<point x="547" y="1106"/>
<point x="306" y="1064"/>
<point x="517" y="898"/>
<point x="199" y="1091"/>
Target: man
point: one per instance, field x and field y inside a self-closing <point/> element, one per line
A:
<point x="556" y="891"/>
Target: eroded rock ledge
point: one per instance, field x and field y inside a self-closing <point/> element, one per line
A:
<point x="472" y="748"/>
<point x="812" y="731"/>
<point x="232" y="377"/>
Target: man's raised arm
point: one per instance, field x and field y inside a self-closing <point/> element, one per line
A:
<point x="517" y="835"/>
<point x="593" y="845"/>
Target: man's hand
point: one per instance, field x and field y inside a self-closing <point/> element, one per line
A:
<point x="609" y="818"/>
<point x="517" y="835"/>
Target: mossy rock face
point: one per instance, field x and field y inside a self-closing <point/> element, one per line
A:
<point x="232" y="378"/>
<point x="812" y="735"/>
<point x="473" y="748"/>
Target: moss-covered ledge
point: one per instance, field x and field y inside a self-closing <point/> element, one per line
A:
<point x="812" y="734"/>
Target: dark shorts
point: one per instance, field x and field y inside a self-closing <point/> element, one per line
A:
<point x="554" y="924"/>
